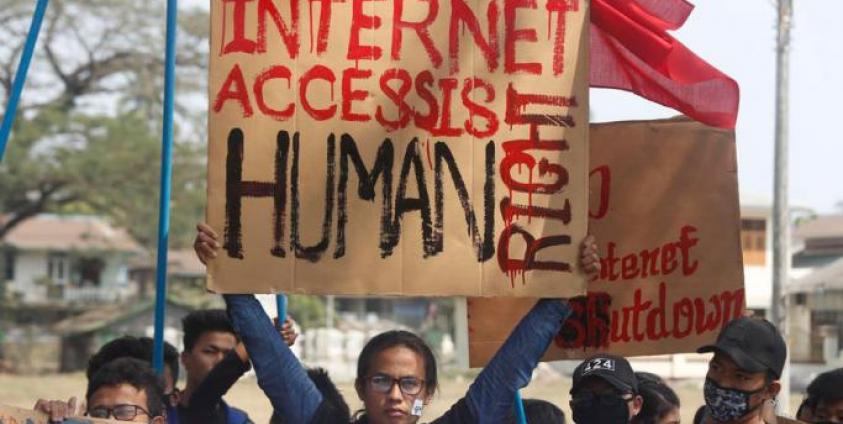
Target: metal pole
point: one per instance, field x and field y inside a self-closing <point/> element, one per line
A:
<point x="330" y="309"/>
<point x="281" y="308"/>
<point x="781" y="216"/>
<point x="20" y="75"/>
<point x="166" y="177"/>
<point x="519" y="409"/>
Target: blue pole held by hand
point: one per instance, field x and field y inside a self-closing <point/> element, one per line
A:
<point x="166" y="177"/>
<point x="281" y="306"/>
<point x="20" y="75"/>
<point x="519" y="409"/>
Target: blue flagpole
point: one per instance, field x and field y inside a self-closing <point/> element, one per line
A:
<point x="281" y="306"/>
<point x="519" y="409"/>
<point x="166" y="177"/>
<point x="20" y="75"/>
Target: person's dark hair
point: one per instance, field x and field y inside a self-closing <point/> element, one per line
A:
<point x="806" y="409"/>
<point x="335" y="409"/>
<point x="699" y="416"/>
<point x="538" y="411"/>
<point x="132" y="347"/>
<point x="202" y="321"/>
<point x="826" y="387"/>
<point x="392" y="339"/>
<point x="659" y="399"/>
<point x="134" y="372"/>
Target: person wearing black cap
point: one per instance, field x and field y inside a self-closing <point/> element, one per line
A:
<point x="605" y="391"/>
<point x="743" y="375"/>
<point x="824" y="402"/>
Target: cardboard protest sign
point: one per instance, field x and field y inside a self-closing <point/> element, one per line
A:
<point x="12" y="415"/>
<point x="665" y="212"/>
<point x="403" y="147"/>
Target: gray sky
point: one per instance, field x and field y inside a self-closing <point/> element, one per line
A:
<point x="738" y="37"/>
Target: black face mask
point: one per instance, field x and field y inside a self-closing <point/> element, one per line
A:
<point x="590" y="408"/>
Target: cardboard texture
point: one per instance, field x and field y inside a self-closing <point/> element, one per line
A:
<point x="398" y="147"/>
<point x="13" y="415"/>
<point x="665" y="212"/>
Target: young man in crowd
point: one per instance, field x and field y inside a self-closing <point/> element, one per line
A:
<point x="742" y="379"/>
<point x="209" y="342"/>
<point x="824" y="401"/>
<point x="208" y="338"/>
<point x="605" y="391"/>
<point x="139" y="348"/>
<point x="125" y="389"/>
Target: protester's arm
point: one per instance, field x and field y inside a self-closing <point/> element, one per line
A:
<point x="280" y="374"/>
<point x="236" y="363"/>
<point x="207" y="396"/>
<point x="492" y="394"/>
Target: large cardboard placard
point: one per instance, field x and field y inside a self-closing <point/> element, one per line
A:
<point x="401" y="147"/>
<point x="664" y="208"/>
<point x="12" y="415"/>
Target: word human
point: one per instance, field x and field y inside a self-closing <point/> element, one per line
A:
<point x="394" y="199"/>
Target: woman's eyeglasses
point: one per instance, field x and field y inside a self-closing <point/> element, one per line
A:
<point x="408" y="385"/>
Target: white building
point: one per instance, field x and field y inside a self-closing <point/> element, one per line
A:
<point x="67" y="259"/>
<point x="756" y="232"/>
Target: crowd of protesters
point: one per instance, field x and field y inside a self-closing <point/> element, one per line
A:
<point x="397" y="375"/>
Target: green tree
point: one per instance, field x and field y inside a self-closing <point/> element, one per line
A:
<point x="87" y="134"/>
<point x="307" y="310"/>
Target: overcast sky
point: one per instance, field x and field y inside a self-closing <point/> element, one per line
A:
<point x="738" y="37"/>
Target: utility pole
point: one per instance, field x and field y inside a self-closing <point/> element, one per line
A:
<point x="781" y="215"/>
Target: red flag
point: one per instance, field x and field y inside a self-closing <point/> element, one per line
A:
<point x="631" y="50"/>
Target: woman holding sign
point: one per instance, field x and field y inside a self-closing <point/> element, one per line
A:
<point x="396" y="371"/>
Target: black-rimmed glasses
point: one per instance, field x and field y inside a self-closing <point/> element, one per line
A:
<point x="119" y="412"/>
<point x="408" y="385"/>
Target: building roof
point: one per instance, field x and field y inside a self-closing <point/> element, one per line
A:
<point x="66" y="233"/>
<point x="99" y="318"/>
<point x="826" y="278"/>
<point x="183" y="262"/>
<point x="180" y="263"/>
<point x="826" y="226"/>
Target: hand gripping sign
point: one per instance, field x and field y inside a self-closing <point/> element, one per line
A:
<point x="12" y="415"/>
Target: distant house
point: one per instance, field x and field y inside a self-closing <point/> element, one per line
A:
<point x="815" y="304"/>
<point x="819" y="243"/>
<point x="52" y="259"/>
<point x="183" y="270"/>
<point x="756" y="232"/>
<point x="80" y="336"/>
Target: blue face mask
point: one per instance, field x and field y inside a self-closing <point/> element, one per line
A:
<point x="726" y="405"/>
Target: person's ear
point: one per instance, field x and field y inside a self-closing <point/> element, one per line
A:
<point x="427" y="398"/>
<point x="159" y="420"/>
<point x="637" y="404"/>
<point x="183" y="357"/>
<point x="773" y="390"/>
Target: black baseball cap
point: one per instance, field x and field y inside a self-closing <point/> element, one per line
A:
<point x="754" y="344"/>
<point x="613" y="369"/>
